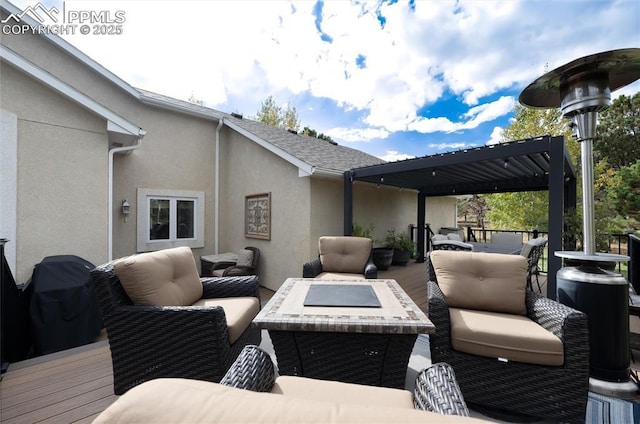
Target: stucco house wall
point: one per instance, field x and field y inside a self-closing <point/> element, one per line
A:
<point x="177" y="153"/>
<point x="61" y="160"/>
<point x="441" y="212"/>
<point x="250" y="169"/>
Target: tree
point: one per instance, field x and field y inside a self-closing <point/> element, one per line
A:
<point x="475" y="206"/>
<point x="272" y="114"/>
<point x="313" y="133"/>
<point x="513" y="211"/>
<point x="618" y="134"/>
<point x="625" y="191"/>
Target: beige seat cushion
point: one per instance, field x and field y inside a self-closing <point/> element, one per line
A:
<point x="192" y="401"/>
<point x="484" y="281"/>
<point x="239" y="312"/>
<point x="344" y="254"/>
<point x="512" y="337"/>
<point x="163" y="278"/>
<point x="333" y="391"/>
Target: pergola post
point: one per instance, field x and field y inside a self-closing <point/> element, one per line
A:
<point x="556" y="211"/>
<point x="348" y="204"/>
<point x="421" y="224"/>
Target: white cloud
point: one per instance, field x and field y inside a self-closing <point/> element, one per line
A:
<point x="354" y="135"/>
<point x="394" y="155"/>
<point x="441" y="147"/>
<point x="496" y="136"/>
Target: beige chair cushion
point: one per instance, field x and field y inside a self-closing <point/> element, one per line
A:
<point x="192" y="401"/>
<point x="333" y="391"/>
<point x="439" y="237"/>
<point x="344" y="254"/>
<point x="164" y="278"/>
<point x="238" y="311"/>
<point x="245" y="258"/>
<point x="454" y="237"/>
<point x="484" y="281"/>
<point x="512" y="337"/>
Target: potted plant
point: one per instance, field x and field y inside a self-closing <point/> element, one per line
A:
<point x="382" y="256"/>
<point x="403" y="246"/>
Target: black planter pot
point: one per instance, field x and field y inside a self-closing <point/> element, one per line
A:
<point x="401" y="257"/>
<point x="382" y="257"/>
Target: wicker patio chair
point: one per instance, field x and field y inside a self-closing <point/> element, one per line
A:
<point x="342" y="257"/>
<point x="533" y="250"/>
<point x="192" y="340"/>
<point x="435" y="390"/>
<point x="557" y="392"/>
<point x="248" y="259"/>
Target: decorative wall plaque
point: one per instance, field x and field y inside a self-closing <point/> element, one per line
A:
<point x="257" y="216"/>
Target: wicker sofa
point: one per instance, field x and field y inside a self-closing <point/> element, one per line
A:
<point x="163" y="320"/>
<point x="342" y="257"/>
<point x="513" y="350"/>
<point x="250" y="393"/>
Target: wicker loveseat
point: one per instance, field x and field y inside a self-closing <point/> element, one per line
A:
<point x="249" y="393"/>
<point x="342" y="257"/>
<point x="512" y="350"/>
<point x="163" y="320"/>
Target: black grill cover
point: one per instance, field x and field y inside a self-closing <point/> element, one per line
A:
<point x="64" y="307"/>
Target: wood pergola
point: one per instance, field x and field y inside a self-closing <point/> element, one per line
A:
<point x="536" y="164"/>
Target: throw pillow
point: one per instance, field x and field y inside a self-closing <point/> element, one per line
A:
<point x="245" y="258"/>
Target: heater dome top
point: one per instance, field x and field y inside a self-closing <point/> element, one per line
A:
<point x="622" y="67"/>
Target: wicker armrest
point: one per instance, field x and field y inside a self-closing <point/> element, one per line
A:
<point x="146" y="319"/>
<point x="439" y="311"/>
<point x="237" y="286"/>
<point x="437" y="390"/>
<point x="252" y="370"/>
<point x="553" y="316"/>
<point x="236" y="271"/>
<point x="370" y="270"/>
<point x="312" y="268"/>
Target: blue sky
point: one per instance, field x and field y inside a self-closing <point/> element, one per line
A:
<point x="396" y="79"/>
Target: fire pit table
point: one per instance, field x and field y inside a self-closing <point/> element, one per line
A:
<point x="354" y="331"/>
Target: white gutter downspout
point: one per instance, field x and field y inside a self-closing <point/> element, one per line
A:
<point x="216" y="190"/>
<point x="112" y="152"/>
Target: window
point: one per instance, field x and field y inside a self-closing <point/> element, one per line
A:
<point x="170" y="218"/>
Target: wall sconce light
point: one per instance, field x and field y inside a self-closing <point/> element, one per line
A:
<point x="126" y="209"/>
<point x="433" y="173"/>
<point x="506" y="163"/>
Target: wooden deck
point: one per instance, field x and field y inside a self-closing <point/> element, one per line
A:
<point x="75" y="385"/>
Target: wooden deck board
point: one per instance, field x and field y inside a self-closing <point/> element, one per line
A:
<point x="75" y="385"/>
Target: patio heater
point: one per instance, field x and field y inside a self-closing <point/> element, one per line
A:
<point x="587" y="282"/>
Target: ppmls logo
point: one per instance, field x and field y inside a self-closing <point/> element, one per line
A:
<point x="36" y="12"/>
<point x="70" y="21"/>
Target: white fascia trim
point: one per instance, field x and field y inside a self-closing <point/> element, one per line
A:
<point x="163" y="104"/>
<point x="304" y="169"/>
<point x="17" y="61"/>
<point x="331" y="173"/>
<point x="73" y="51"/>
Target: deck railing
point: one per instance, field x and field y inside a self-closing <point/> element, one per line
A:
<point x="618" y="243"/>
